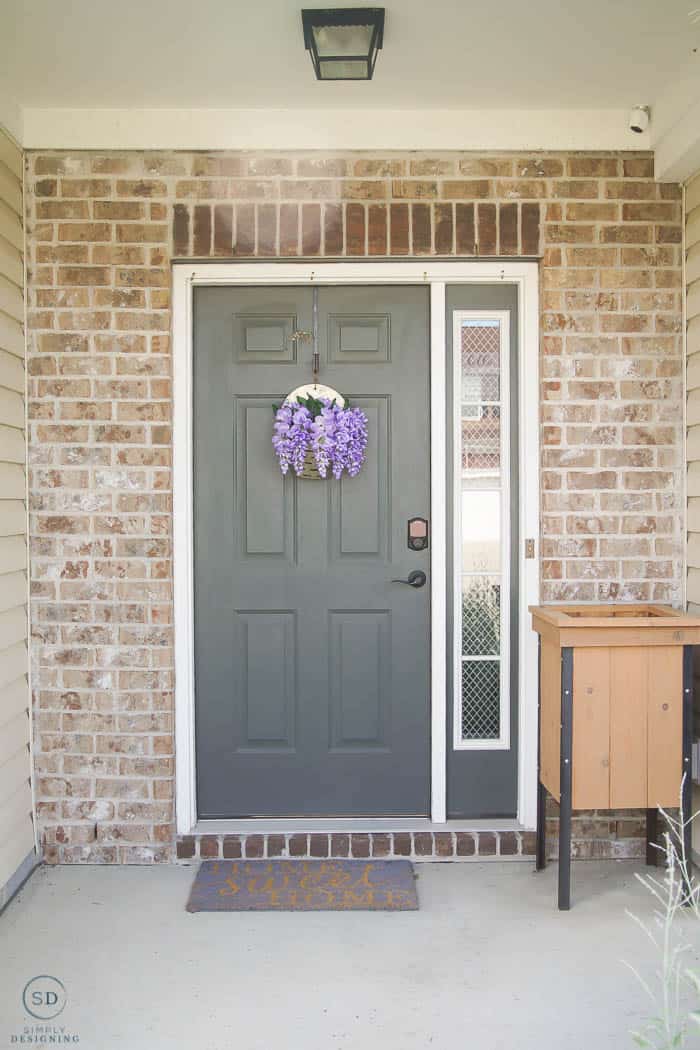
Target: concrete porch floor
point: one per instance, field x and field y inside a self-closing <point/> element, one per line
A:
<point x="487" y="962"/>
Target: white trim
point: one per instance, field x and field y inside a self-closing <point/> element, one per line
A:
<point x="323" y="825"/>
<point x="438" y="556"/>
<point x="183" y="552"/>
<point x="525" y="276"/>
<point x="502" y="742"/>
<point x="331" y="128"/>
<point x="529" y="568"/>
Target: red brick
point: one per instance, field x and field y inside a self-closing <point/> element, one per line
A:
<point x="593" y="167"/>
<point x="360" y="190"/>
<point x="413" y="189"/>
<point x="402" y="844"/>
<point x="486" y="229"/>
<point x="181" y="229"/>
<point x="333" y="229"/>
<point x="508" y="229"/>
<point x="141" y="232"/>
<point x="359" y="845"/>
<point x="232" y="847"/>
<point x="223" y="229"/>
<point x="84" y="231"/>
<point x="298" y="845"/>
<point x="528" y="843"/>
<point x="202" y="229"/>
<point x="638" y="167"/>
<point x="141" y="188"/>
<point x="376" y="230"/>
<point x="340" y="845"/>
<point x="267" y="229"/>
<point x="318" y="846"/>
<point x="254" y="846"/>
<point x="185" y="847"/>
<point x="465" y="236"/>
<point x="443" y="229"/>
<point x="381" y="845"/>
<point x="310" y="229"/>
<point x="355" y="229"/>
<point x="86" y="188"/>
<point x="464" y="844"/>
<point x="487" y="844"/>
<point x="423" y="843"/>
<point x="245" y="230"/>
<point x="275" y="845"/>
<point x="399" y="229"/>
<point x="209" y="847"/>
<point x="508" y="843"/>
<point x="466" y="189"/>
<point x="289" y="229"/>
<point x="530" y="229"/>
<point x="444" y="846"/>
<point x="420" y="218"/>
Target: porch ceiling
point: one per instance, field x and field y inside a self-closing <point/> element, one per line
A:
<point x="218" y="53"/>
<point x="546" y="75"/>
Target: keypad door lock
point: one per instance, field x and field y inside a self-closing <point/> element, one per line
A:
<point x="417" y="534"/>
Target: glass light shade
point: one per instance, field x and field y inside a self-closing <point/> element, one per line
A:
<point x="337" y="41"/>
<point x="343" y="42"/>
<point x="343" y="69"/>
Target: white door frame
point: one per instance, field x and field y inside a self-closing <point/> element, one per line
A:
<point x="186" y="276"/>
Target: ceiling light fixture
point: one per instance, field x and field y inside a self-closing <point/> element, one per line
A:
<point x="343" y="41"/>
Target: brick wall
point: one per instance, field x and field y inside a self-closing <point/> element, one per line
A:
<point x="102" y="229"/>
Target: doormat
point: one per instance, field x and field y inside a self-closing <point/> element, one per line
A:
<point x="304" y="885"/>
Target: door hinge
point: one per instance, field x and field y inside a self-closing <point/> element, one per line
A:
<point x="529" y="548"/>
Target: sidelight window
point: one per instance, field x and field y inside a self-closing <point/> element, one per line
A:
<point x="482" y="512"/>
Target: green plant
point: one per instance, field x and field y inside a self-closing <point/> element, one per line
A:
<point x="481" y="618"/>
<point x="676" y="918"/>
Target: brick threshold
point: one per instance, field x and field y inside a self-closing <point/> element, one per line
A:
<point x="417" y="845"/>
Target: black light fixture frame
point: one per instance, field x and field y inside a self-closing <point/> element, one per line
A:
<point x="317" y="18"/>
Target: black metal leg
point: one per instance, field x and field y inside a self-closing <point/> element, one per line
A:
<point x="652" y="837"/>
<point x="687" y="791"/>
<point x="565" y="780"/>
<point x="541" y="847"/>
<point x="541" y="844"/>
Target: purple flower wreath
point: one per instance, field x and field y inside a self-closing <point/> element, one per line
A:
<point x="336" y="437"/>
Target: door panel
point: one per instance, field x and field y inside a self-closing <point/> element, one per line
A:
<point x="311" y="666"/>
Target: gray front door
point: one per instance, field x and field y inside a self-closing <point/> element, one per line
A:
<point x="311" y="665"/>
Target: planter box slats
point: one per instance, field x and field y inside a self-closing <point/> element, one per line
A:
<point x="615" y="706"/>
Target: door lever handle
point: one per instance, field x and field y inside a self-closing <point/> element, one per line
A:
<point x="416" y="578"/>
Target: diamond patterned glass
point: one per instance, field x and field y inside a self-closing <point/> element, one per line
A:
<point x="481" y="699"/>
<point x="481" y="440"/>
<point x="481" y="616"/>
<point x="480" y="395"/>
<point x="482" y="459"/>
<point x="481" y="356"/>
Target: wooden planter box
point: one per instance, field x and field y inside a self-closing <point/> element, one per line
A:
<point x="615" y="714"/>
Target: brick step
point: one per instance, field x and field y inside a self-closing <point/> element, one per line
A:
<point x="416" y="845"/>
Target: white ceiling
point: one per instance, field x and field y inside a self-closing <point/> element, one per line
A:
<point x="592" y="59"/>
<point x="438" y="54"/>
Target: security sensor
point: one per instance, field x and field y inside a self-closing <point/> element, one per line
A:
<point x="639" y="119"/>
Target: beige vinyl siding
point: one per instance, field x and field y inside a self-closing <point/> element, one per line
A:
<point x="16" y="823"/>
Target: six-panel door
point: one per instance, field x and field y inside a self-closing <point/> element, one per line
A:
<point x="311" y="665"/>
